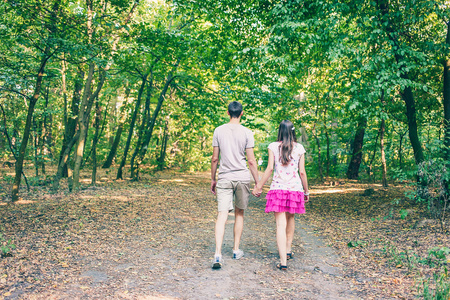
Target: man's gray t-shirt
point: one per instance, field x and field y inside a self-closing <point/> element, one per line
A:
<point x="232" y="140"/>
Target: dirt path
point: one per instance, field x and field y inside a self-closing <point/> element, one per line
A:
<point x="156" y="241"/>
<point x="314" y="273"/>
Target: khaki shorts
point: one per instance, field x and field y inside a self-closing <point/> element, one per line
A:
<point x="228" y="190"/>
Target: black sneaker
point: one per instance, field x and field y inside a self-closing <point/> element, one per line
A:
<point x="217" y="262"/>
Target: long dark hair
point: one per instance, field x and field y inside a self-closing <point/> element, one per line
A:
<point x="286" y="135"/>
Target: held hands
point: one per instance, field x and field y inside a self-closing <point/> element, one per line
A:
<point x="257" y="191"/>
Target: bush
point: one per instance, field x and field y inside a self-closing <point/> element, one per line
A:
<point x="437" y="288"/>
<point x="432" y="188"/>
<point x="6" y="247"/>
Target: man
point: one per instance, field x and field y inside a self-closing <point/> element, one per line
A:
<point x="232" y="142"/>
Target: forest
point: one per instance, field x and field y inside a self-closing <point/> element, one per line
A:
<point x="135" y="88"/>
<point x="142" y="85"/>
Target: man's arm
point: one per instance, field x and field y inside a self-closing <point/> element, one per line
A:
<point x="214" y="163"/>
<point x="252" y="164"/>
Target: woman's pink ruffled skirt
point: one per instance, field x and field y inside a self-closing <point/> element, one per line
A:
<point x="285" y="201"/>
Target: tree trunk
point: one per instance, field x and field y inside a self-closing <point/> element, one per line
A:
<point x="383" y="156"/>
<point x="70" y="122"/>
<point x="5" y="132"/>
<point x="408" y="97"/>
<point x="162" y="155"/>
<point x="447" y="100"/>
<point x="83" y="120"/>
<point x="12" y="147"/>
<point x="48" y="138"/>
<point x="37" y="131"/>
<point x="130" y="132"/>
<point x="35" y="147"/>
<point x="319" y="156"/>
<point x="85" y="105"/>
<point x="370" y="170"/>
<point x="355" y="162"/>
<point x="43" y="134"/>
<point x="26" y="132"/>
<point x="63" y="161"/>
<point x="113" y="150"/>
<point x="84" y="110"/>
<point x="115" y="144"/>
<point x="98" y="134"/>
<point x="328" y="153"/>
<point x="113" y="120"/>
<point x="95" y="140"/>
<point x="142" y="131"/>
<point x="400" y="148"/>
<point x="38" y="141"/>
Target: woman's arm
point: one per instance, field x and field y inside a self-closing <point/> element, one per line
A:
<point x="303" y="177"/>
<point x="257" y="190"/>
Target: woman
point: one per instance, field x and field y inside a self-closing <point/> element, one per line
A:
<point x="289" y="188"/>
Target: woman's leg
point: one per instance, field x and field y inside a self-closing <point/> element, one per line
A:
<point x="280" y="218"/>
<point x="290" y="228"/>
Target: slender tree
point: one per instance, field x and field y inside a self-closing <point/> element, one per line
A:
<point x="357" y="145"/>
<point x="132" y="123"/>
<point x="446" y="95"/>
<point x="121" y="119"/>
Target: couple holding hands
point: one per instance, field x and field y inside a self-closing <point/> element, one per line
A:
<point x="233" y="143"/>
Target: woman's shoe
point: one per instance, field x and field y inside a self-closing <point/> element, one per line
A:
<point x="290" y="255"/>
<point x="281" y="267"/>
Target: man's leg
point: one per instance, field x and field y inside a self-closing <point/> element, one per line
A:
<point x="238" y="227"/>
<point x="224" y="205"/>
<point x="242" y="193"/>
<point x="222" y="217"/>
